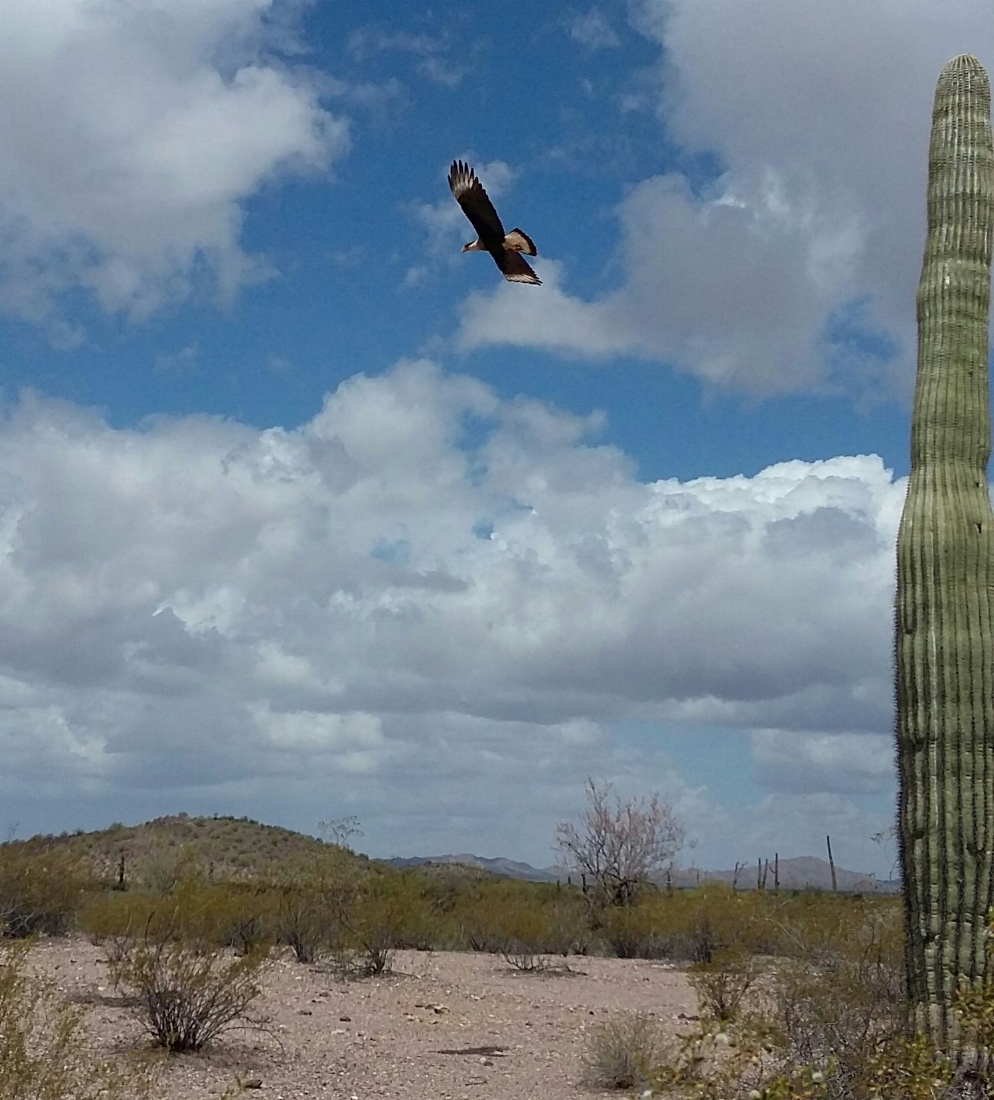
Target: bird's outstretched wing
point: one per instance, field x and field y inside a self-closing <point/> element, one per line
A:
<point x="475" y="202"/>
<point x="519" y="240"/>
<point x="516" y="268"/>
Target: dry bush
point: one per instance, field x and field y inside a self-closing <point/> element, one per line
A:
<point x="44" y="1054"/>
<point x="723" y="983"/>
<point x="625" y="1051"/>
<point x="185" y="998"/>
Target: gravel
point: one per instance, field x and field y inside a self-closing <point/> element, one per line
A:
<point x="441" y="1025"/>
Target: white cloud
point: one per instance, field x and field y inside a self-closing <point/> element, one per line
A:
<point x="805" y="762"/>
<point x="196" y="605"/>
<point x="434" y="52"/>
<point x="593" y="30"/>
<point x="819" y="117"/>
<point x="129" y="137"/>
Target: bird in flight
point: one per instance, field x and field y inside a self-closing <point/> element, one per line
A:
<point x="506" y="248"/>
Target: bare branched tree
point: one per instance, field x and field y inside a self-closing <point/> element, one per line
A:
<point x="619" y="844"/>
<point x="340" y="831"/>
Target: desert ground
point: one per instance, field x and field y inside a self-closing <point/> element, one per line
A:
<point x="440" y="1025"/>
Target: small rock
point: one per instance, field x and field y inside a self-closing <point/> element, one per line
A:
<point x="252" y="1083"/>
<point x="304" y="1012"/>
<point x="345" y="1019"/>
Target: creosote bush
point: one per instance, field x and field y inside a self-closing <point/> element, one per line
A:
<point x="184" y="998"/>
<point x="825" y="1022"/>
<point x="44" y="1054"/>
<point x="723" y="984"/>
<point x="41" y="890"/>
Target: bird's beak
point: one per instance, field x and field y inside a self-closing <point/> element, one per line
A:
<point x="466" y="247"/>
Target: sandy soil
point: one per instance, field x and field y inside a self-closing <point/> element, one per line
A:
<point x="414" y="1034"/>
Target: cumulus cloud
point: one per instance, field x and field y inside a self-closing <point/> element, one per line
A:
<point x="129" y="137"/>
<point x="424" y="584"/>
<point x="795" y="268"/>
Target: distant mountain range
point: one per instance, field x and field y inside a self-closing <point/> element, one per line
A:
<point x="506" y="868"/>
<point x="799" y="873"/>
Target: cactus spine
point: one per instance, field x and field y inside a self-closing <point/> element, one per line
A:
<point x="944" y="622"/>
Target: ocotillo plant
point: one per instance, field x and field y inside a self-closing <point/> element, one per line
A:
<point x="944" y="622"/>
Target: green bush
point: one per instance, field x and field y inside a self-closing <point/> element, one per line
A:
<point x="384" y="917"/>
<point x="828" y="1020"/>
<point x="313" y="901"/>
<point x="41" y="889"/>
<point x="637" y="931"/>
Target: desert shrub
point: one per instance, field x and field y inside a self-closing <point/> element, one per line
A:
<point x="717" y="920"/>
<point x="480" y="924"/>
<point x="528" y="937"/>
<point x="166" y="866"/>
<point x="568" y="930"/>
<point x="184" y="998"/>
<point x="302" y="920"/>
<point x="41" y="890"/>
<point x="44" y="1054"/>
<point x="377" y="924"/>
<point x="312" y="902"/>
<point x="226" y="915"/>
<point x="525" y="938"/>
<point x="524" y="922"/>
<point x="624" y="1052"/>
<point x="722" y="984"/>
<point x="409" y="908"/>
<point x="827" y="1022"/>
<point x="636" y="931"/>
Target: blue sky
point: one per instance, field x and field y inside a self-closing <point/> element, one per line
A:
<point x="307" y="514"/>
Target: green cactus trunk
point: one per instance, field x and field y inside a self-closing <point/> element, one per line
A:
<point x="944" y="621"/>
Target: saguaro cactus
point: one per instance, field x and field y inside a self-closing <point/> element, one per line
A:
<point x="944" y="620"/>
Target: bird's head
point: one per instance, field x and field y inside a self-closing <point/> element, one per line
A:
<point x="473" y="246"/>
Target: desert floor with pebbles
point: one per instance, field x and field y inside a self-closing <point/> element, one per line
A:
<point x="441" y="1025"/>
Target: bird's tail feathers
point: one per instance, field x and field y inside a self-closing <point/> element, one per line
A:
<point x="519" y="241"/>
